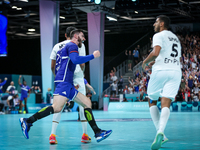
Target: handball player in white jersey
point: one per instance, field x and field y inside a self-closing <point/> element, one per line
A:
<point x="166" y="75"/>
<point x="78" y="80"/>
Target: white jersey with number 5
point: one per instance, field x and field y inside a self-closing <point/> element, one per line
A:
<point x="170" y="53"/>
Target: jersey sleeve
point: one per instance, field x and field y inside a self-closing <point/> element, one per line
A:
<point x="157" y="40"/>
<point x="54" y="51"/>
<point x="73" y="49"/>
<point x="85" y="81"/>
<point x="4" y="82"/>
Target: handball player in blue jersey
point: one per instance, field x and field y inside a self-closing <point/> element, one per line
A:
<point x="25" y="89"/>
<point x="65" y="89"/>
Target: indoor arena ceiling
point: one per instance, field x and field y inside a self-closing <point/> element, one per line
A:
<point x="130" y="16"/>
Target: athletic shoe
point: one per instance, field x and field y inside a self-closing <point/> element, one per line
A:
<point x="103" y="134"/>
<point x="164" y="140"/>
<point x="85" y="138"/>
<point x="25" y="127"/>
<point x="158" y="141"/>
<point x="52" y="139"/>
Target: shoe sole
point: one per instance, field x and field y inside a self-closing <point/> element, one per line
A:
<point x="86" y="141"/>
<point x="107" y="135"/>
<point x="165" y="141"/>
<point x="157" y="144"/>
<point x="20" y="122"/>
<point x="53" y="142"/>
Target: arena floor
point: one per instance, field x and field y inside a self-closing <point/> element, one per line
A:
<point x="131" y="130"/>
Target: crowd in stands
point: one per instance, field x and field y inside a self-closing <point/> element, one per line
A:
<point x="9" y="99"/>
<point x="190" y="63"/>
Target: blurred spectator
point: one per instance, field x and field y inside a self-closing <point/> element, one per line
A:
<point x="114" y="89"/>
<point x="129" y="55"/>
<point x="13" y="100"/>
<point x="36" y="89"/>
<point x="49" y="96"/>
<point x="131" y="81"/>
<point x="136" y="55"/>
<point x="120" y="85"/>
<point x="126" y="91"/>
<point x="113" y="78"/>
<point x="25" y="92"/>
<point x="112" y="72"/>
<point x="182" y="86"/>
<point x="190" y="82"/>
<point x="11" y="91"/>
<point x="2" y="83"/>
<point x="130" y="89"/>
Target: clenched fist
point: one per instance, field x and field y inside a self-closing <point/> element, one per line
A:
<point x="96" y="54"/>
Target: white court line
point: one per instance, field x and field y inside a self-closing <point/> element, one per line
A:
<point x="121" y="139"/>
<point x="183" y="143"/>
<point x="133" y="140"/>
<point x="145" y="141"/>
<point x="72" y="137"/>
<point x="195" y="144"/>
<point x="170" y="142"/>
<point x="109" y="139"/>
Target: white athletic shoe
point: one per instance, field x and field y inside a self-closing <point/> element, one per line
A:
<point x="158" y="141"/>
<point x="165" y="139"/>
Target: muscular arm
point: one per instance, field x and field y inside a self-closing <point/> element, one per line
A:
<point x="152" y="56"/>
<point x="90" y="88"/>
<point x="19" y="80"/>
<point x="76" y="59"/>
<point x="53" y="65"/>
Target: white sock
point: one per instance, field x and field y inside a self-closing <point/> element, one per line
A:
<point x="164" y="116"/>
<point x="55" y="122"/>
<point x="155" y="115"/>
<point x="84" y="126"/>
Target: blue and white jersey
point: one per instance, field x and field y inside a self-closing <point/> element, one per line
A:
<point x="24" y="89"/>
<point x="65" y="67"/>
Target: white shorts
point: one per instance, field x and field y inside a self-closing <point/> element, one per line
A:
<point x="164" y="84"/>
<point x="80" y="82"/>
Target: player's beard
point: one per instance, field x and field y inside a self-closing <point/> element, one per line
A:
<point x="157" y="28"/>
<point x="79" y="42"/>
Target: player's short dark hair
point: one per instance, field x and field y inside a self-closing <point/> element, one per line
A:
<point x="77" y="31"/>
<point x="164" y="19"/>
<point x="69" y="30"/>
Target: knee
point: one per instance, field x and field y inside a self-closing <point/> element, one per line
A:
<point x="88" y="104"/>
<point x="56" y="109"/>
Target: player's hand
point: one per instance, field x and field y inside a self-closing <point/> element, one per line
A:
<point x="76" y="87"/>
<point x="143" y="65"/>
<point x="6" y="78"/>
<point x="94" y="93"/>
<point x="20" y="76"/>
<point x="151" y="63"/>
<point x="96" y="54"/>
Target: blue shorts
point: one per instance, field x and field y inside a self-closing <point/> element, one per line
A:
<point x="66" y="89"/>
<point x="23" y="97"/>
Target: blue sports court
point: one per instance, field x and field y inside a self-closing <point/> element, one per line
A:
<point x="131" y="130"/>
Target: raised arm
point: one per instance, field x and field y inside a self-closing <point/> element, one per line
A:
<point x="19" y="80"/>
<point x="76" y="59"/>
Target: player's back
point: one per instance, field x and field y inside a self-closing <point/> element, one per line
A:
<point x="170" y="53"/>
<point x="66" y="67"/>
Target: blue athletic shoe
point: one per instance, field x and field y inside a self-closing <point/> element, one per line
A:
<point x="103" y="134"/>
<point x="25" y="127"/>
